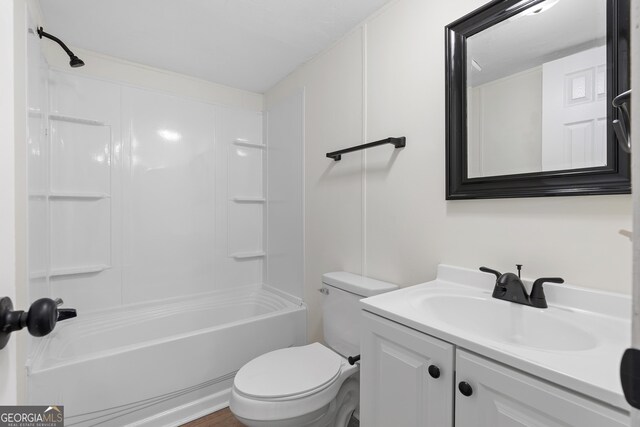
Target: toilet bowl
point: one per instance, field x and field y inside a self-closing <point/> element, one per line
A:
<point x="311" y="385"/>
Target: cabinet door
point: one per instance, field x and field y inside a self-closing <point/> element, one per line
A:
<point x="504" y="397"/>
<point x="396" y="386"/>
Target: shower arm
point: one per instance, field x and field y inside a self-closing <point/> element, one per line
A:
<point x="74" y="60"/>
<point x="42" y="33"/>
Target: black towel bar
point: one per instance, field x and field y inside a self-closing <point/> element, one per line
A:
<point x="396" y="142"/>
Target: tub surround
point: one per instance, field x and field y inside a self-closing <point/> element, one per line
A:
<point x="152" y="190"/>
<point x="576" y="343"/>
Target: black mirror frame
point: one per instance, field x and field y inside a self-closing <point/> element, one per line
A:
<point x="614" y="178"/>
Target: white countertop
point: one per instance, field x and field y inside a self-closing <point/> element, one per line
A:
<point x="592" y="371"/>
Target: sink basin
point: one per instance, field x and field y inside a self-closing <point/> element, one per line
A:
<point x="508" y="323"/>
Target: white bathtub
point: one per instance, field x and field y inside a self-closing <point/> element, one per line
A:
<point x="159" y="364"/>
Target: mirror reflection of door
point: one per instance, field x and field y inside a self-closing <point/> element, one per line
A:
<point x="536" y="91"/>
<point x="574" y="111"/>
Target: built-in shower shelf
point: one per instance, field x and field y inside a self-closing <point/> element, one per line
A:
<point x="245" y="143"/>
<point x="249" y="199"/>
<point x="35" y="113"/>
<point x="78" y="120"/>
<point x="36" y="275"/>
<point x="37" y="195"/>
<point x="80" y="196"/>
<point x="247" y="255"/>
<point x="78" y="270"/>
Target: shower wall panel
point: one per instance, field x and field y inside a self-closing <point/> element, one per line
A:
<point x="239" y="197"/>
<point x="169" y="192"/>
<point x="84" y="192"/>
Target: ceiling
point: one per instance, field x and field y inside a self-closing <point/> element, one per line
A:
<point x="247" y="44"/>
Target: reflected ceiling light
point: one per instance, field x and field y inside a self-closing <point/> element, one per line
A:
<point x="518" y="5"/>
<point x="541" y="7"/>
<point x="533" y="10"/>
<point x="169" y="135"/>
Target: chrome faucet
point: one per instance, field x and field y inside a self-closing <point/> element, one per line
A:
<point x="509" y="287"/>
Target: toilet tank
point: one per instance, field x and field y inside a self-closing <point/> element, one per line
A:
<point x="341" y="315"/>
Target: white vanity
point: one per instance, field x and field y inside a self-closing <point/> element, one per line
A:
<point x="445" y="353"/>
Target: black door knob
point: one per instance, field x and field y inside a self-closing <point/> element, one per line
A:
<point x="465" y="388"/>
<point x="434" y="371"/>
<point x="42" y="317"/>
<point x="39" y="320"/>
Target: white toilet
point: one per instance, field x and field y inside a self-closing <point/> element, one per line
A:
<point x="310" y="385"/>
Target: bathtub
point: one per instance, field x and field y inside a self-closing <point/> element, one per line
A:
<point x="159" y="364"/>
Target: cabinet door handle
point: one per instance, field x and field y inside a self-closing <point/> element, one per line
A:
<point x="465" y="388"/>
<point x="434" y="371"/>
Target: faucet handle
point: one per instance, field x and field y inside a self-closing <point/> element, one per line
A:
<point x="489" y="270"/>
<point x="537" y="296"/>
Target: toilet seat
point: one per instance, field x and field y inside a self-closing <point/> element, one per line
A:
<point x="289" y="373"/>
<point x="266" y="390"/>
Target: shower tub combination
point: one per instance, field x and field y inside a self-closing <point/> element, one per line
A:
<point x="159" y="364"/>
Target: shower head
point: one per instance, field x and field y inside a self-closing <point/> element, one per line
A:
<point x="75" y="62"/>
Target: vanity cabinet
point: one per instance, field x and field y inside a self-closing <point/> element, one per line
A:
<point x="397" y="388"/>
<point x="501" y="396"/>
<point x="407" y="377"/>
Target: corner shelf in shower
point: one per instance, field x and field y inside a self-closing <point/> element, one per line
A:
<point x="37" y="275"/>
<point x="38" y="195"/>
<point x="78" y="270"/>
<point x="249" y="199"/>
<point x="79" y="120"/>
<point x="79" y="196"/>
<point x="245" y="143"/>
<point x="248" y="255"/>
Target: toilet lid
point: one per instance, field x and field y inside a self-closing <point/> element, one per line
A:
<point x="289" y="372"/>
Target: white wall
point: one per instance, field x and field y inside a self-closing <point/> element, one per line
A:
<point x="8" y="390"/>
<point x="383" y="213"/>
<point x="13" y="180"/>
<point x="284" y="266"/>
<point x="115" y="69"/>
<point x="333" y="190"/>
<point x="505" y="125"/>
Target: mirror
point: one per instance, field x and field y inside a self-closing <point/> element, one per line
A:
<point x="529" y="90"/>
